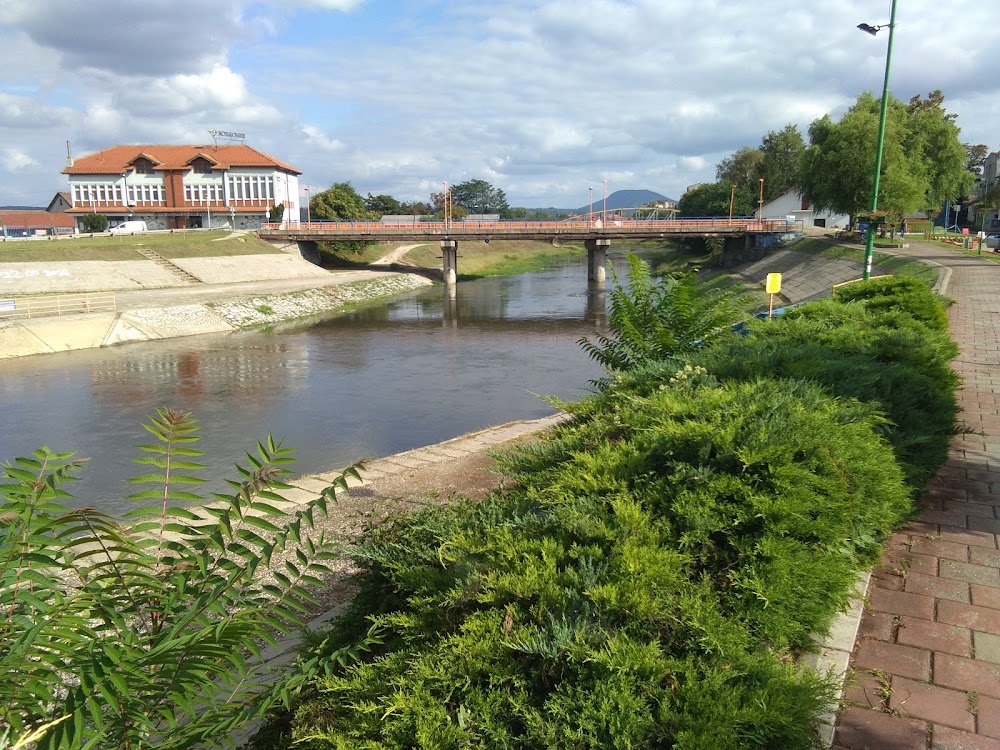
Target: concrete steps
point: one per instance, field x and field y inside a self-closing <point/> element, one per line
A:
<point x="166" y="265"/>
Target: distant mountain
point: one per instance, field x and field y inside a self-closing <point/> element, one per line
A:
<point x="21" y="208"/>
<point x="616" y="200"/>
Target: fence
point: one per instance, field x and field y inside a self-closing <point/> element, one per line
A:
<point x="57" y="304"/>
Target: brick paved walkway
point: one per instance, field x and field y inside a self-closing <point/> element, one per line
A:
<point x="926" y="666"/>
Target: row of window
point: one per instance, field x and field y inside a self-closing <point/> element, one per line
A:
<point x="241" y="188"/>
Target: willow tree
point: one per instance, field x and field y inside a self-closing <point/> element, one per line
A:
<point x="923" y="161"/>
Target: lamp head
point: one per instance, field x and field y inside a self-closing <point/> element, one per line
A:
<point x="869" y="29"/>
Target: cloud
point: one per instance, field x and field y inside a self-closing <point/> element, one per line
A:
<point x="30" y="113"/>
<point x="14" y="160"/>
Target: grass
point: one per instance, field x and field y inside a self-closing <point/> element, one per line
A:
<point x="179" y="244"/>
<point x="886" y="263"/>
<point x="478" y="259"/>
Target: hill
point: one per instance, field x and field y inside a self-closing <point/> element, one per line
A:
<point x="616" y="200"/>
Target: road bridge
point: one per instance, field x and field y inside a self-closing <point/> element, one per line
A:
<point x="596" y="233"/>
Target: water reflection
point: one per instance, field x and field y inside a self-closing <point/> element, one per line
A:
<point x="425" y="367"/>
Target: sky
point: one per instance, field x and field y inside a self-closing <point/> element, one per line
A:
<point x="543" y="99"/>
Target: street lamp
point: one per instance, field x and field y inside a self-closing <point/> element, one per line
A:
<point x="760" y="203"/>
<point x="308" y="207"/>
<point x="732" y="197"/>
<point x="604" y="213"/>
<point x="870" y="238"/>
<point x="590" y="215"/>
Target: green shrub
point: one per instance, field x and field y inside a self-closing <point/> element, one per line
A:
<point x="641" y="586"/>
<point x="145" y="635"/>
<point x="872" y="351"/>
<point x="902" y="293"/>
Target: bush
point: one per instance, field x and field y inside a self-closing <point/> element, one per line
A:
<point x="641" y="586"/>
<point x="145" y="635"/>
<point x="94" y="222"/>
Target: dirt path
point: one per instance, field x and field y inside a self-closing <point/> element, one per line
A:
<point x="397" y="255"/>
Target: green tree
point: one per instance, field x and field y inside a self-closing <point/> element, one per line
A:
<point x="94" y="222"/>
<point x="934" y="143"/>
<point x="975" y="156"/>
<point x="145" y="633"/>
<point x="712" y="199"/>
<point x="276" y="213"/>
<point x="383" y="204"/>
<point x="340" y="201"/>
<point x="653" y="319"/>
<point x="923" y="161"/>
<point x="479" y="197"/>
<point x="743" y="168"/>
<point x="782" y="161"/>
<point x="416" y="208"/>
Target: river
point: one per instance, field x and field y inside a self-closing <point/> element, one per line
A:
<point x="416" y="370"/>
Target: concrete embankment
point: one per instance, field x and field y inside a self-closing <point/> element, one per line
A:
<point x="170" y="309"/>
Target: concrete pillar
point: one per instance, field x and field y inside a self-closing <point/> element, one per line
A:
<point x="449" y="261"/>
<point x="596" y="313"/>
<point x="597" y="256"/>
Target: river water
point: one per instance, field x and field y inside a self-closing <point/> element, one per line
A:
<point x="419" y="369"/>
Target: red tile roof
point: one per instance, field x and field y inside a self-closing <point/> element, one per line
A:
<point x="117" y="159"/>
<point x="35" y="219"/>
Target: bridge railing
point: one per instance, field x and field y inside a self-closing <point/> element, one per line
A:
<point x="611" y="226"/>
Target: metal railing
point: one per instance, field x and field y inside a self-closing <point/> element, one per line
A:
<point x="57" y="304"/>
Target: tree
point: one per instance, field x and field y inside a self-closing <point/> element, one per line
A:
<point x="479" y="197"/>
<point x="383" y="204"/>
<point x="416" y="208"/>
<point x="340" y="201"/>
<point x="653" y="319"/>
<point x="743" y="168"/>
<point x="713" y="199"/>
<point x="276" y="213"/>
<point x="782" y="161"/>
<point x="975" y="156"/>
<point x="145" y="633"/>
<point x="922" y="158"/>
<point x="94" y="222"/>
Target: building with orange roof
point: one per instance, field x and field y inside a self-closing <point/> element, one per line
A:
<point x="183" y="187"/>
<point x="34" y="223"/>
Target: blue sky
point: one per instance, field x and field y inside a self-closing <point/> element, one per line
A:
<point x="543" y="99"/>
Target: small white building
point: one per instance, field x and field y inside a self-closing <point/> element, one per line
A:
<point x="793" y="204"/>
<point x="183" y="187"/>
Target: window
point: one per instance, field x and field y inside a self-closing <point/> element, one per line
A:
<point x="805" y="204"/>
<point x="143" y="166"/>
<point x="201" y="166"/>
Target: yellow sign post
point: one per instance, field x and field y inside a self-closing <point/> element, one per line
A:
<point x="772" y="287"/>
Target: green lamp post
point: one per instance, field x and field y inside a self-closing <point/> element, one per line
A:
<point x="870" y="234"/>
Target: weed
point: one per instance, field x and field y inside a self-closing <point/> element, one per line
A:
<point x="264" y="309"/>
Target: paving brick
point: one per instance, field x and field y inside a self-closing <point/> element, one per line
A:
<point x="876" y="625"/>
<point x="901" y="603"/>
<point x="946" y="738"/>
<point x="985" y="596"/>
<point x="960" y="571"/>
<point x="895" y="659"/>
<point x="940" y="548"/>
<point x="983" y="556"/>
<point x="992" y="525"/>
<point x="934" y="636"/>
<point x="861" y="729"/>
<point x="968" y="616"/>
<point x="939" y="588"/>
<point x="865" y="689"/>
<point x="911" y="562"/>
<point x="932" y="703"/>
<point x="987" y="647"/>
<point x="969" y="508"/>
<point x="949" y="518"/>
<point x="967" y="674"/>
<point x="969" y="536"/>
<point x="989" y="717"/>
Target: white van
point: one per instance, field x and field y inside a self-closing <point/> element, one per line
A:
<point x="129" y="227"/>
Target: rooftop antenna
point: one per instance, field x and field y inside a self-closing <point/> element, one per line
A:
<point x="227" y="137"/>
<point x="69" y="155"/>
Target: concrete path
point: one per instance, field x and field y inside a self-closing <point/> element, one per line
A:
<point x="927" y="659"/>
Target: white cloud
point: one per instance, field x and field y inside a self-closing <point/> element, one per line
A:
<point x="14" y="160"/>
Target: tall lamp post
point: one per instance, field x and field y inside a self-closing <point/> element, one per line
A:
<point x="308" y="207"/>
<point x="870" y="234"/>
<point x="732" y="197"/>
<point x="604" y="213"/>
<point x="760" y="202"/>
<point x="590" y="216"/>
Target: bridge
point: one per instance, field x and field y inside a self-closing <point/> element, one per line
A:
<point x="596" y="233"/>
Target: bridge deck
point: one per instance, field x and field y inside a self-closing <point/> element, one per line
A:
<point x="616" y="228"/>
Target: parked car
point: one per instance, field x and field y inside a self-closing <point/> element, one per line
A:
<point x="993" y="240"/>
<point x="129" y="227"/>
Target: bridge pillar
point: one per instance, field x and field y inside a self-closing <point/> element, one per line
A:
<point x="597" y="256"/>
<point x="449" y="261"/>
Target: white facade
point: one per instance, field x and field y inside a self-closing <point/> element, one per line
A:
<point x="793" y="204"/>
